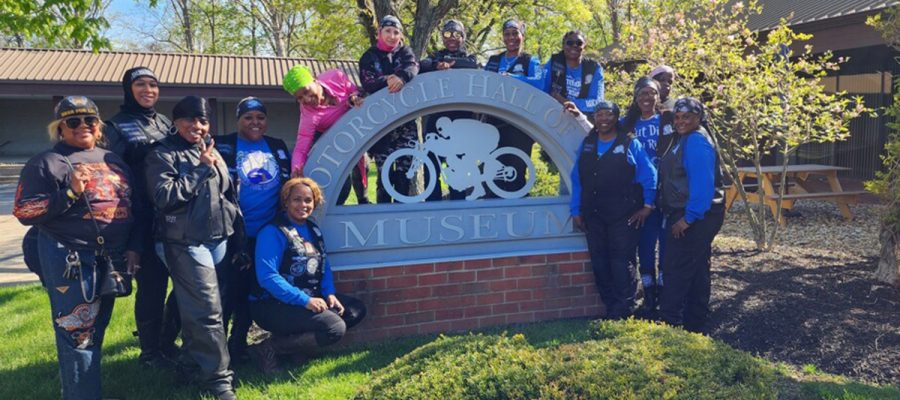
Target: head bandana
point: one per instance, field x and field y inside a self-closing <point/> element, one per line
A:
<point x="513" y="24"/>
<point x="691" y="105"/>
<point x="661" y="69"/>
<point x="607" y="105"/>
<point x="250" y="104"/>
<point x="390" y="20"/>
<point x="75" y="105"/>
<point x="191" y="107"/>
<point x="297" y="78"/>
<point x="645" y="82"/>
<point x="454" y="26"/>
<point x="131" y="105"/>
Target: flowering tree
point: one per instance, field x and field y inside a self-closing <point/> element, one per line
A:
<point x="762" y="97"/>
<point x="887" y="182"/>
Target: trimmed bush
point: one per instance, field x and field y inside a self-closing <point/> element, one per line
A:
<point x="627" y="360"/>
<point x="463" y="367"/>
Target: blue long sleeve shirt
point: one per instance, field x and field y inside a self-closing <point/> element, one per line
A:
<point x="647" y="131"/>
<point x="644" y="173"/>
<point x="535" y="75"/>
<point x="270" y="245"/>
<point x="573" y="87"/>
<point x="699" y="164"/>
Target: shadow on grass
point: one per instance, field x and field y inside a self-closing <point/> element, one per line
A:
<point x="365" y="358"/>
<point x="12" y="292"/>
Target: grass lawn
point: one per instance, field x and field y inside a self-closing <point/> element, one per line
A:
<point x="29" y="368"/>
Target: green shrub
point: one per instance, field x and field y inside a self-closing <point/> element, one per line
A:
<point x="627" y="360"/>
<point x="656" y="361"/>
<point x="463" y="367"/>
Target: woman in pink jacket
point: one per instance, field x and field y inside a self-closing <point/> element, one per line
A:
<point x="323" y="100"/>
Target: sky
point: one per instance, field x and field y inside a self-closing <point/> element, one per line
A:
<point x="124" y="16"/>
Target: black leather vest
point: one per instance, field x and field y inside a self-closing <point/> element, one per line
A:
<point x="608" y="189"/>
<point x="558" y="75"/>
<point x="673" y="180"/>
<point x="303" y="262"/>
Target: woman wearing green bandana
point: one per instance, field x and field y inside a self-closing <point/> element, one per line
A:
<point x="323" y="100"/>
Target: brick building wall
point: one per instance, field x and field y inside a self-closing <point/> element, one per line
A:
<point x="463" y="295"/>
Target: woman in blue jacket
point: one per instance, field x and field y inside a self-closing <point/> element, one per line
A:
<point x="643" y="120"/>
<point x="691" y="199"/>
<point x="572" y="78"/>
<point x="294" y="296"/>
<point x="613" y="187"/>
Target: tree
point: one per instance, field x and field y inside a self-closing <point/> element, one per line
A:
<point x="887" y="182"/>
<point x="762" y="98"/>
<point x="54" y="23"/>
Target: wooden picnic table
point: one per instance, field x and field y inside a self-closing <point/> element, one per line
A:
<point x="799" y="187"/>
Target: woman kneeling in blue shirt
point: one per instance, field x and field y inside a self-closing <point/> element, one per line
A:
<point x="613" y="187"/>
<point x="294" y="296"/>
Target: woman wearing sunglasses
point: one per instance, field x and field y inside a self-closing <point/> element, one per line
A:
<point x="452" y="56"/>
<point x="574" y="80"/>
<point x="196" y="212"/>
<point x="79" y="197"/>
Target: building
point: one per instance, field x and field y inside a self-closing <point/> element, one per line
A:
<point x="32" y="81"/>
<point x="839" y="26"/>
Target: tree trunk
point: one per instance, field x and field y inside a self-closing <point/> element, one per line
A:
<point x="427" y="18"/>
<point x="372" y="11"/>
<point x="889" y="261"/>
<point x="613" y="6"/>
<point x="184" y="6"/>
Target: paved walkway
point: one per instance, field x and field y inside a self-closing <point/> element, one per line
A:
<point x="12" y="266"/>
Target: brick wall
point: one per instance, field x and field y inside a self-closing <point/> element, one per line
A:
<point x="463" y="295"/>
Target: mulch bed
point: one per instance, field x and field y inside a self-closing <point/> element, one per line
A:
<point x="812" y="300"/>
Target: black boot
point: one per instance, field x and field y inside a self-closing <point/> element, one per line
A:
<point x="263" y="353"/>
<point x="650" y="303"/>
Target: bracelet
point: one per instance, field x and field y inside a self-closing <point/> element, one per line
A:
<point x="71" y="194"/>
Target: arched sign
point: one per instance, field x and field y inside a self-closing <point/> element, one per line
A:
<point x="374" y="235"/>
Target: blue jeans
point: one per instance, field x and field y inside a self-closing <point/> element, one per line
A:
<point x="79" y="322"/>
<point x="650" y="235"/>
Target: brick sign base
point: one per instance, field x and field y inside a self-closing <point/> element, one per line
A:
<point x="463" y="295"/>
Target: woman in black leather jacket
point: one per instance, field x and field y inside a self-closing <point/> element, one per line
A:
<point x="196" y="211"/>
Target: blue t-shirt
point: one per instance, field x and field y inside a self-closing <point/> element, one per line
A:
<point x="506" y="62"/>
<point x="260" y="183"/>
<point x="573" y="82"/>
<point x="647" y="132"/>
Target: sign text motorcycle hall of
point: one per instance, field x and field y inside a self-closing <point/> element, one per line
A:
<point x="413" y="231"/>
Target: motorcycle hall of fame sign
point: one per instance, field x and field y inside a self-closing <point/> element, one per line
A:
<point x="413" y="230"/>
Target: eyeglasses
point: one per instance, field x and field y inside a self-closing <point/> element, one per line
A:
<point x="75" y="122"/>
<point x="577" y="43"/>
<point x="452" y="34"/>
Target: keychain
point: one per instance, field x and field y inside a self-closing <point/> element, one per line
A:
<point x="73" y="266"/>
